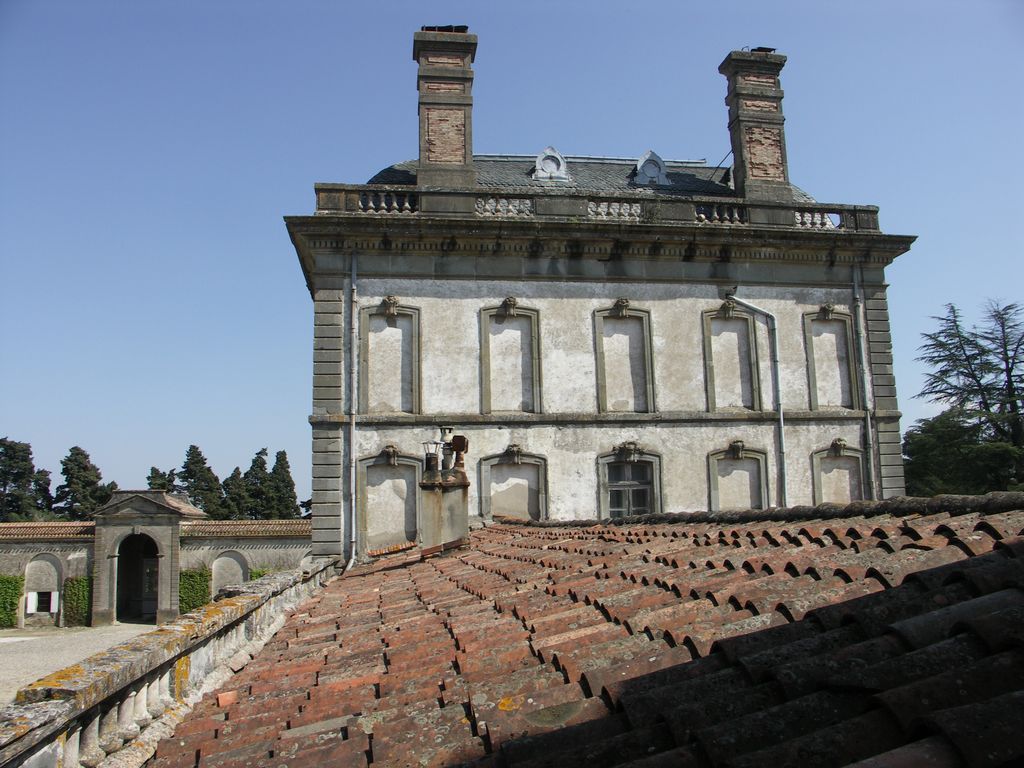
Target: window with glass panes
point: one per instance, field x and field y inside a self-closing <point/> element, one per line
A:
<point x="629" y="488"/>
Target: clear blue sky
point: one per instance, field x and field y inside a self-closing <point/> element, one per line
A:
<point x="150" y="295"/>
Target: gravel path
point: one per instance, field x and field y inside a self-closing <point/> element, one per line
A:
<point x="28" y="654"/>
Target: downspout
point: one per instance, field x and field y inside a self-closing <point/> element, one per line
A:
<point x="353" y="379"/>
<point x="773" y="342"/>
<point x="860" y="329"/>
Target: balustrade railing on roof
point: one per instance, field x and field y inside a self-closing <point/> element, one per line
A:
<point x="374" y="201"/>
<point x="395" y="200"/>
<point x="721" y="213"/>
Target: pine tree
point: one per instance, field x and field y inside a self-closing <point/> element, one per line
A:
<point x="284" y="502"/>
<point x="82" y="491"/>
<point x="236" y="496"/>
<point x="24" y="490"/>
<point x="256" y="480"/>
<point x="159" y="480"/>
<point x="201" y="484"/>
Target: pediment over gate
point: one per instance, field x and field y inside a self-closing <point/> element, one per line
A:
<point x="135" y="504"/>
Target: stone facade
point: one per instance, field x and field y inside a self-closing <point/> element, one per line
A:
<point x="134" y="551"/>
<point x="625" y="336"/>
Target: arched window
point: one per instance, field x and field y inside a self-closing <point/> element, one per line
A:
<point x="625" y="372"/>
<point x="43" y="585"/>
<point x="629" y="482"/>
<point x="389" y="354"/>
<point x="514" y="484"/>
<point x="730" y="358"/>
<point x="510" y="358"/>
<point x="737" y="478"/>
<point x="229" y="568"/>
<point x="828" y="337"/>
<point x="838" y="473"/>
<point x="388" y="489"/>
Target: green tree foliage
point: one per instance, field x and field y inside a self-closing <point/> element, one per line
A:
<point x="10" y="595"/>
<point x="201" y="484"/>
<point x="193" y="589"/>
<point x="980" y="371"/>
<point x="158" y="480"/>
<point x="24" y="490"/>
<point x="82" y="491"/>
<point x="283" y="503"/>
<point x="257" y="486"/>
<point x="77" y="598"/>
<point x="950" y="454"/>
<point x="978" y="444"/>
<point x="236" y="496"/>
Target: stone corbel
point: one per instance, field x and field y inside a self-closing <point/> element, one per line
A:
<point x="629" y="451"/>
<point x="837" y="448"/>
<point x="390" y="305"/>
<point x="621" y="307"/>
<point x="728" y="309"/>
<point x="827" y="311"/>
<point x="391" y="453"/>
<point x="514" y="452"/>
<point x="735" y="450"/>
<point x="509" y="306"/>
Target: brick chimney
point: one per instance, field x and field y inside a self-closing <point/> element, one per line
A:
<point x="445" y="84"/>
<point x="756" y="124"/>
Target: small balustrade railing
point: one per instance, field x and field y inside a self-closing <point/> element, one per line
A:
<point x="817" y="218"/>
<point x="720" y="213"/>
<point x="387" y="201"/>
<point x="113" y="708"/>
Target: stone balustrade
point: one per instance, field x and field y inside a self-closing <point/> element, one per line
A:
<point x="387" y="201"/>
<point x="721" y="213"/>
<point x="395" y="200"/>
<point x="111" y="709"/>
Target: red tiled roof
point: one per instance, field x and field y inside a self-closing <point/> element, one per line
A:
<point x="243" y="528"/>
<point x="819" y="637"/>
<point x="47" y="531"/>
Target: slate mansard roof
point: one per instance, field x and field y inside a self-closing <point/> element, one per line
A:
<point x="606" y="175"/>
<point x="876" y="634"/>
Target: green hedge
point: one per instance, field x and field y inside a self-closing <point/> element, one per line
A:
<point x="255" y="573"/>
<point x="193" y="590"/>
<point x="77" y="601"/>
<point x="10" y="595"/>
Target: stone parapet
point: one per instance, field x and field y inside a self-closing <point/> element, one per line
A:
<point x="125" y="699"/>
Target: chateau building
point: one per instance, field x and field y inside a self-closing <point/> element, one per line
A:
<point x="614" y="336"/>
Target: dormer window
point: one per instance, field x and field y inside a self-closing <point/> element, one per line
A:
<point x="650" y="170"/>
<point x="550" y="166"/>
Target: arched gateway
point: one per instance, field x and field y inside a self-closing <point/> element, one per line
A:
<point x="137" y="553"/>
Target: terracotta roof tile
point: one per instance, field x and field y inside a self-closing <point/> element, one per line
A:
<point x="47" y="531"/>
<point x="888" y="634"/>
<point x="243" y="528"/>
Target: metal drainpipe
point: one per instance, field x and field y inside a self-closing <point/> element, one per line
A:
<point x="860" y="329"/>
<point x="773" y="341"/>
<point x="353" y="363"/>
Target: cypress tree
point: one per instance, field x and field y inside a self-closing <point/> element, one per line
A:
<point x="284" y="502"/>
<point x="236" y="496"/>
<point x="257" y="489"/>
<point x="82" y="491"/>
<point x="201" y="484"/>
<point x="24" y="490"/>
